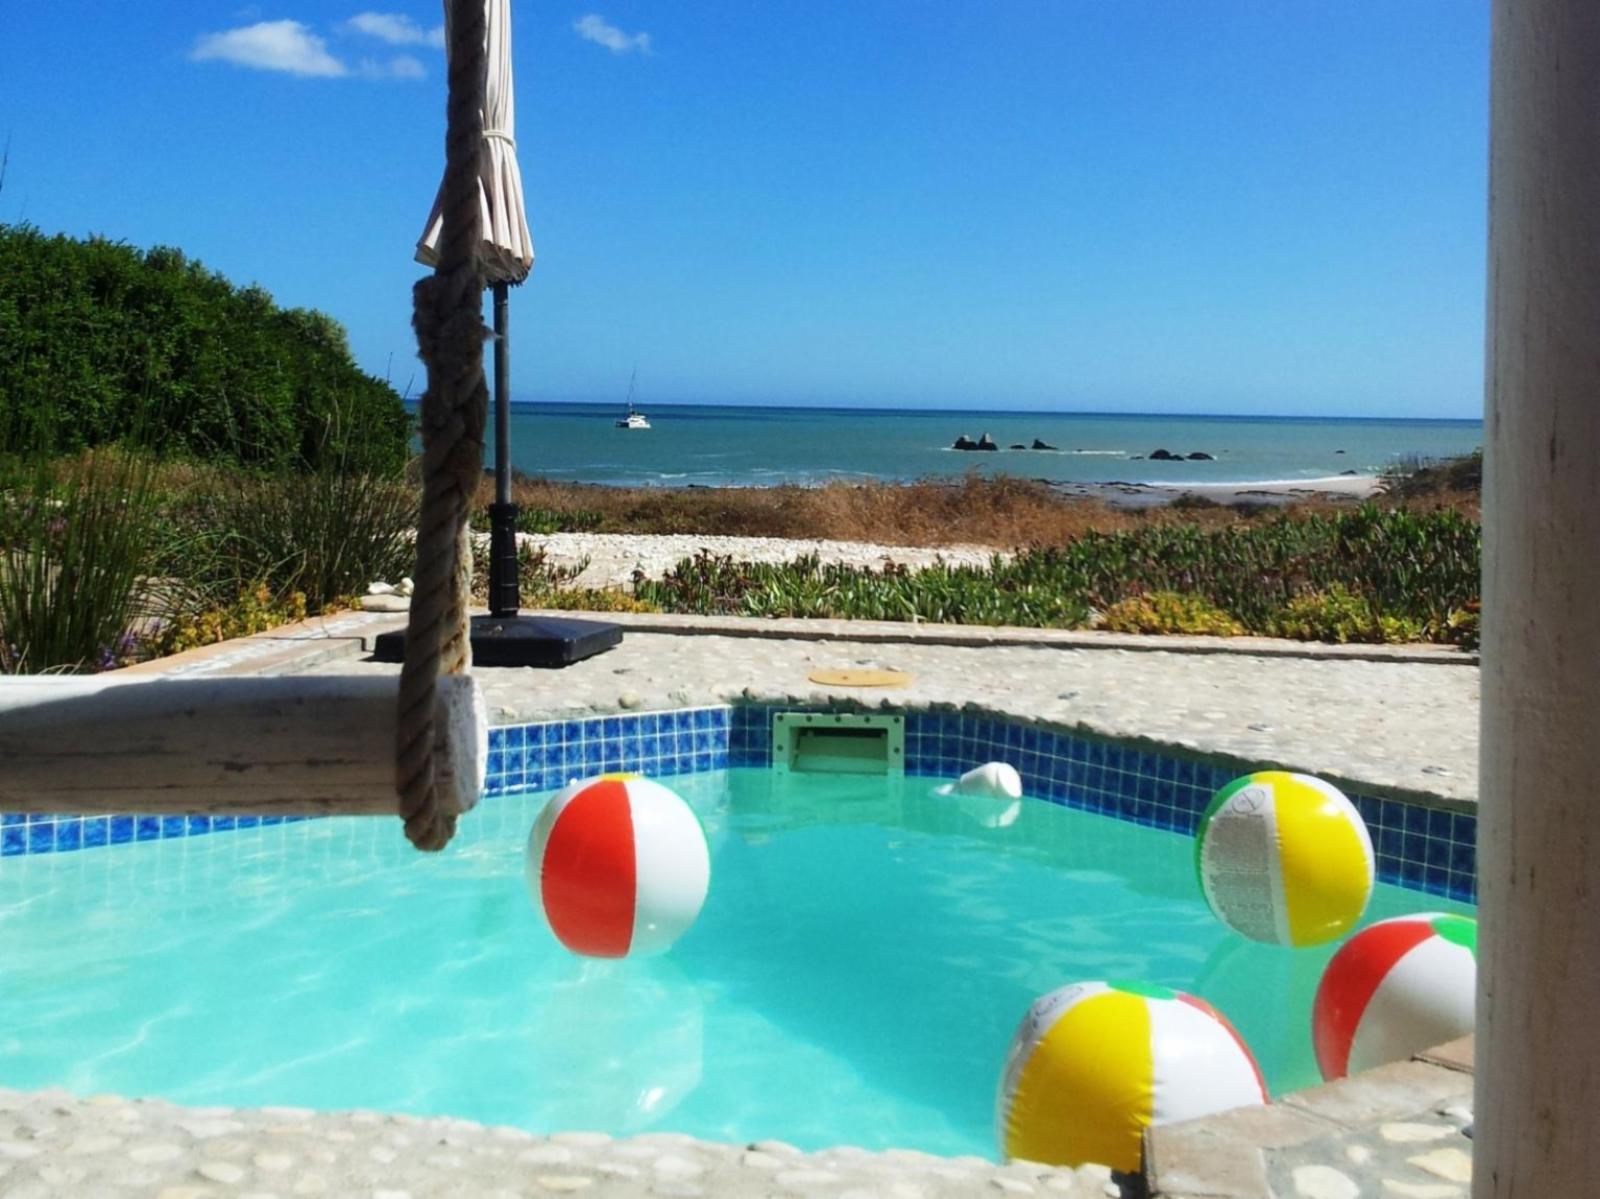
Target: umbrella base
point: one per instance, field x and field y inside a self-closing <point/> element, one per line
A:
<point x="547" y="641"/>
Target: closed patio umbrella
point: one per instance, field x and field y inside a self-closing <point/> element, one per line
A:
<point x="506" y="254"/>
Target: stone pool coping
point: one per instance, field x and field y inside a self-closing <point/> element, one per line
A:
<point x="53" y="1144"/>
<point x="1397" y="722"/>
<point x="1395" y="1131"/>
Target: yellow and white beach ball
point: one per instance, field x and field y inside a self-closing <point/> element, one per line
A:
<point x="618" y="865"/>
<point x="1095" y="1063"/>
<point x="1285" y="859"/>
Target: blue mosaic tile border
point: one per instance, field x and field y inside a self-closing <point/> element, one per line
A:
<point x="541" y="757"/>
<point x="1419" y="848"/>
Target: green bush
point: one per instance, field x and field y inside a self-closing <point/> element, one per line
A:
<point x="76" y="541"/>
<point x="1167" y="612"/>
<point x="101" y="342"/>
<point x="1367" y="575"/>
<point x="326" y="534"/>
<point x="943" y="594"/>
<point x="1338" y="616"/>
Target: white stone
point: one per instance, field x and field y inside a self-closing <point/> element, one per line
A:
<point x="1413" y="1134"/>
<point x="583" y="1140"/>
<point x="546" y="1155"/>
<point x="759" y="1159"/>
<point x="391" y="1195"/>
<point x="1452" y="1165"/>
<point x="298" y="1114"/>
<point x="806" y="1178"/>
<point x="1358" y="1155"/>
<point x="159" y="1151"/>
<point x="672" y="1165"/>
<point x="617" y="1169"/>
<point x="564" y="1182"/>
<point x="202" y="1130"/>
<point x="273" y="1163"/>
<point x="382" y="1154"/>
<point x="782" y="1148"/>
<point x="385" y="603"/>
<point x="225" y="1172"/>
<point x="18" y="1149"/>
<point x="1421" y="1190"/>
<point x="94" y="1144"/>
<point x="184" y="1192"/>
<point x="1324" y="1182"/>
<point x="1012" y="1186"/>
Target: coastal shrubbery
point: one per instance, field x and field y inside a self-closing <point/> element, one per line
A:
<point x="103" y="343"/>
<point x="1373" y="574"/>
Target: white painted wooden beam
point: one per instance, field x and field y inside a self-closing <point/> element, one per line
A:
<point x="294" y="745"/>
<point x="1538" y="1044"/>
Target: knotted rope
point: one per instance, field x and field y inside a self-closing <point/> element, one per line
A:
<point x="448" y="318"/>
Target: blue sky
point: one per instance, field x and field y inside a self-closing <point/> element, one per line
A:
<point x="1245" y="206"/>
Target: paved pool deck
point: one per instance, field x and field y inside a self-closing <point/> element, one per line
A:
<point x="1392" y="721"/>
<point x="1395" y="721"/>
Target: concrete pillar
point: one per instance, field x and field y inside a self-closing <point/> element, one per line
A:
<point x="1538" y="1048"/>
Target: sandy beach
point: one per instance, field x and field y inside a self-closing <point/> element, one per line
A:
<point x="1347" y="488"/>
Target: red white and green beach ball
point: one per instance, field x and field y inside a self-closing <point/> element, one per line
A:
<point x="1094" y="1064"/>
<point x="1394" y="989"/>
<point x="1285" y="859"/>
<point x="618" y="865"/>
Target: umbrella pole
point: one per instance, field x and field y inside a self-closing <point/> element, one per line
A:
<point x="504" y="593"/>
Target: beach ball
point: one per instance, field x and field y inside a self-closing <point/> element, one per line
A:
<point x="618" y="865"/>
<point x="1095" y="1063"/>
<point x="1284" y="859"/>
<point x="1394" y="989"/>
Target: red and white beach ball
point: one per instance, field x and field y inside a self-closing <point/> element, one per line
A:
<point x="618" y="865"/>
<point x="1094" y="1064"/>
<point x="1395" y="989"/>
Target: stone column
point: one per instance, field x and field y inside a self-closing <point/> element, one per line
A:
<point x="1538" y="1048"/>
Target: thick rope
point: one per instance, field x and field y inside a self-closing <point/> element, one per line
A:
<point x="448" y="319"/>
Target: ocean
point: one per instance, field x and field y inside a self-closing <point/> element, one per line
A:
<point x="720" y="446"/>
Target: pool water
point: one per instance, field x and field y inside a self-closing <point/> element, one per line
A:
<point x="863" y="958"/>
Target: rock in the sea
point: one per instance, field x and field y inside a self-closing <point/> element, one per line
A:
<point x="1017" y="445"/>
<point x="963" y="443"/>
<point x="1042" y="445"/>
<point x="1349" y="472"/>
<point x="1165" y="456"/>
<point x="1201" y="456"/>
<point x="987" y="443"/>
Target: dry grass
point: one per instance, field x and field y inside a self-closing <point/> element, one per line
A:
<point x="1005" y="513"/>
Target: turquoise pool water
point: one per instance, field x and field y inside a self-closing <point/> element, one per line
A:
<point x="862" y="960"/>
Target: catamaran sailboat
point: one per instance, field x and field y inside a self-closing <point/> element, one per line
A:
<point x="634" y="419"/>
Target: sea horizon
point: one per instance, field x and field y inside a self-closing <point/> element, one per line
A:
<point x="754" y="445"/>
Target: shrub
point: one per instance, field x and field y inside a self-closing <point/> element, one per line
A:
<point x="544" y="520"/>
<point x="1168" y="612"/>
<point x="100" y="341"/>
<point x="806" y="587"/>
<point x="75" y="547"/>
<point x="255" y="611"/>
<point x="326" y="534"/>
<point x="538" y="579"/>
<point x="1338" y="616"/>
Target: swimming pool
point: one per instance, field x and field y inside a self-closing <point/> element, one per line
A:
<point x="863" y="958"/>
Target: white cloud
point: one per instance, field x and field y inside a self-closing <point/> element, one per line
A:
<point x="401" y="66"/>
<point x="595" y="28"/>
<point x="270" y="46"/>
<point x="396" y="28"/>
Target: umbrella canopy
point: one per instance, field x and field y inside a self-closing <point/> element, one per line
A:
<point x="507" y="249"/>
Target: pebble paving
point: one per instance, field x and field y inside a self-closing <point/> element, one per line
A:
<point x="1408" y="728"/>
<point x="53" y="1144"/>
